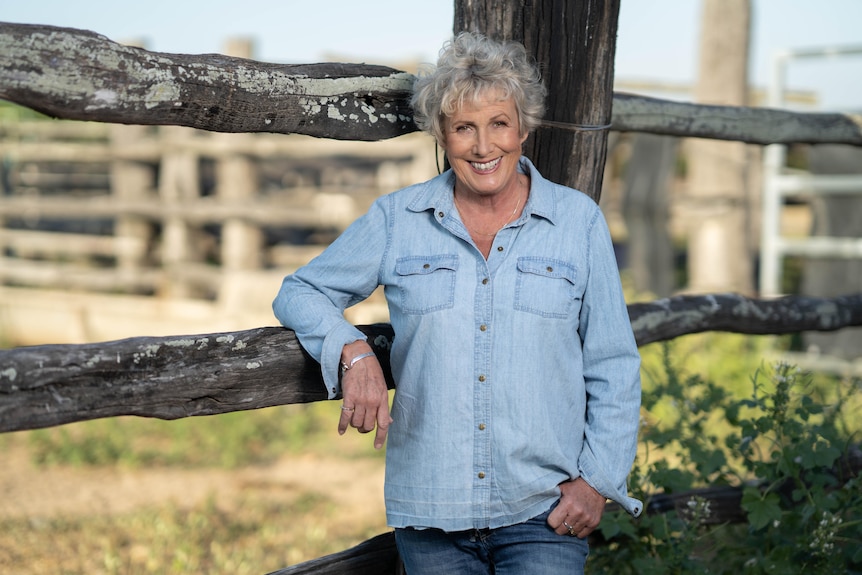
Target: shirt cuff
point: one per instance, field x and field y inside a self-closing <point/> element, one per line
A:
<point x="330" y="356"/>
<point x="592" y="473"/>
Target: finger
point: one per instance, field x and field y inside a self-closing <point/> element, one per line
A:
<point x="344" y="419"/>
<point x="367" y="420"/>
<point x="383" y="421"/>
<point x="558" y="516"/>
<point x="358" y="419"/>
<point x="565" y="528"/>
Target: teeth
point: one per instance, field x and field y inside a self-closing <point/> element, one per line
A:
<point x="485" y="166"/>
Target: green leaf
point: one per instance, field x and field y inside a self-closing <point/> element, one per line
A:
<point x="761" y="510"/>
<point x="825" y="454"/>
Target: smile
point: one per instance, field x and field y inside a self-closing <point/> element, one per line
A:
<point x="487" y="166"/>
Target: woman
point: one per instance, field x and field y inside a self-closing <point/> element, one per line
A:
<point x="517" y="396"/>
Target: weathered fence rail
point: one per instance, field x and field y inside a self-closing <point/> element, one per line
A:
<point x="39" y="69"/>
<point x="174" y="377"/>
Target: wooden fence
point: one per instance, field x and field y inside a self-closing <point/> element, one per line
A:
<point x="160" y="200"/>
<point x="206" y="374"/>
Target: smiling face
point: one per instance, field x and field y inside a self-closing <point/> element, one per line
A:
<point x="483" y="144"/>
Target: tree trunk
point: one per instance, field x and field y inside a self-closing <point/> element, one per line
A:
<point x="574" y="43"/>
<point x="719" y="235"/>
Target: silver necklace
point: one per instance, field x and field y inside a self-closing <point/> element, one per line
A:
<point x="484" y="234"/>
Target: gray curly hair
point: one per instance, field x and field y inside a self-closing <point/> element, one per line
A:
<point x="468" y="68"/>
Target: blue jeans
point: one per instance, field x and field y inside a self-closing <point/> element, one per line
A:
<point x="530" y="547"/>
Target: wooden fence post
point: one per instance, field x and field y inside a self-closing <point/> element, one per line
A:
<point x="574" y="43"/>
<point x="179" y="183"/>
<point x="720" y="245"/>
<point x="645" y="209"/>
<point x="236" y="183"/>
<point x="131" y="181"/>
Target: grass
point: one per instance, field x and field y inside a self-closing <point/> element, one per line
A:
<point x="228" y="441"/>
<point x="257" y="536"/>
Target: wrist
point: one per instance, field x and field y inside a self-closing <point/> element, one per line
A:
<point x="352" y="349"/>
<point x="346" y="365"/>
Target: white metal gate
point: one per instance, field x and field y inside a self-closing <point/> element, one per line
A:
<point x="780" y="183"/>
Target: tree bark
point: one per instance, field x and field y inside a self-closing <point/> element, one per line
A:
<point x="574" y="43"/>
<point x="174" y="377"/>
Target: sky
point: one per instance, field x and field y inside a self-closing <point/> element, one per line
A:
<point x="657" y="39"/>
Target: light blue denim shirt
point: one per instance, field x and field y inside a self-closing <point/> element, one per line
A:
<point x="513" y="374"/>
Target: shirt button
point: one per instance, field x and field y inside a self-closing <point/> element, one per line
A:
<point x="483" y="327"/>
<point x="485" y="281"/>
<point x="426" y="266"/>
<point x="550" y="269"/>
<point x="482" y="378"/>
<point x="481" y="475"/>
<point x="499" y="248"/>
<point x="481" y="427"/>
<point x="440" y="214"/>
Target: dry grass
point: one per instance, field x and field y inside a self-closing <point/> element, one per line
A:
<point x="136" y="518"/>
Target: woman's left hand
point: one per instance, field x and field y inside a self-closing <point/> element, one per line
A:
<point x="579" y="511"/>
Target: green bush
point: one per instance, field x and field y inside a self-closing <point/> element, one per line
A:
<point x="782" y="445"/>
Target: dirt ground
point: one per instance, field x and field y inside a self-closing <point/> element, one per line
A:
<point x="45" y="492"/>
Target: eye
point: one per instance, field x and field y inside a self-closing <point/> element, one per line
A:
<point x="464" y="128"/>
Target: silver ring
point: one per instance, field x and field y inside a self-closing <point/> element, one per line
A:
<point x="571" y="529"/>
<point x="348" y="409"/>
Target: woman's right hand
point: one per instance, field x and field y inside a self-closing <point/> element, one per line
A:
<point x="366" y="399"/>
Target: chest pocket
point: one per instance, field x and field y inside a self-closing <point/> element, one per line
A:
<point x="426" y="283"/>
<point x="545" y="287"/>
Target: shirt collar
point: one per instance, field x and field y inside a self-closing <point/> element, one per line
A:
<point x="437" y="194"/>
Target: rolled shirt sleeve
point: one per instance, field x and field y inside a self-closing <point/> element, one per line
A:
<point x="312" y="301"/>
<point x="611" y="376"/>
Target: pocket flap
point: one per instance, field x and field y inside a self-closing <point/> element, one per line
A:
<point x="419" y="265"/>
<point x="548" y="268"/>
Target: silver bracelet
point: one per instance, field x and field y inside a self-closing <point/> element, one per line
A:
<point x="345" y="366"/>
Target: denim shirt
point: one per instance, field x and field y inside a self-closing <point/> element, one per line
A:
<point x="513" y="374"/>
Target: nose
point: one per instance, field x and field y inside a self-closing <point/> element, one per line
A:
<point x="482" y="144"/>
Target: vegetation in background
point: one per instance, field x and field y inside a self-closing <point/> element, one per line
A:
<point x="226" y="441"/>
<point x="10" y="112"/>
<point x="781" y="441"/>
